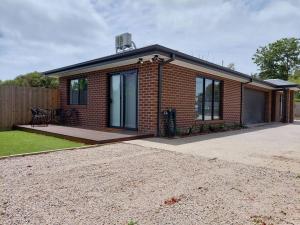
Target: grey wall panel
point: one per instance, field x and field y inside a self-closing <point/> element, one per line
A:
<point x="254" y="106"/>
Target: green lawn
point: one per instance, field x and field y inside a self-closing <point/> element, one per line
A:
<point x="17" y="142"/>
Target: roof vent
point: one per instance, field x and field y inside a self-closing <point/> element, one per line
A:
<point x="124" y="43"/>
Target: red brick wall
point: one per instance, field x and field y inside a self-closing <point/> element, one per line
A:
<point x="232" y="101"/>
<point x="179" y="87"/>
<point x="291" y="107"/>
<point x="148" y="90"/>
<point x="95" y="114"/>
<point x="276" y="106"/>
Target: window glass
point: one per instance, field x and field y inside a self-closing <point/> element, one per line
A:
<point x="74" y="92"/>
<point x="199" y="98"/>
<point x="78" y="91"/>
<point x="208" y="99"/>
<point x="217" y="98"/>
<point x="83" y="91"/>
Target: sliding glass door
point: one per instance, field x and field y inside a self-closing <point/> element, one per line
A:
<point x="115" y="101"/>
<point x="123" y="100"/>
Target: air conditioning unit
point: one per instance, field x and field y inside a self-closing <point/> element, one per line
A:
<point x="124" y="42"/>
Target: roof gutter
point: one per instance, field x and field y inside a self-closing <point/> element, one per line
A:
<point x="159" y="95"/>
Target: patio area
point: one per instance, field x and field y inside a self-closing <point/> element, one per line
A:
<point x="86" y="136"/>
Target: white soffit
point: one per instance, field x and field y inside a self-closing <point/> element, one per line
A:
<point x="118" y="63"/>
<point x="103" y="66"/>
<point x="254" y="83"/>
<point x="209" y="71"/>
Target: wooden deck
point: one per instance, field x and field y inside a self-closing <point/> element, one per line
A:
<point x="82" y="135"/>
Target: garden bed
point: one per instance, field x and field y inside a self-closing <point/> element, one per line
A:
<point x="201" y="129"/>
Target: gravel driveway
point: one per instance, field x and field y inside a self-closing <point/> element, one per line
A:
<point x="114" y="183"/>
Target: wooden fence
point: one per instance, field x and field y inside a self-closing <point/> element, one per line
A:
<point x="15" y="103"/>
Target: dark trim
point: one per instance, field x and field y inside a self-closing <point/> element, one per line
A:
<point x="203" y="99"/>
<point x="221" y="99"/>
<point x="273" y="106"/>
<point x="284" y="106"/>
<point x="152" y="49"/>
<point x="241" y="104"/>
<point x="159" y="90"/>
<point x="69" y="90"/>
<point x="122" y="99"/>
<point x="137" y="101"/>
<point x="213" y="98"/>
<point x="288" y="86"/>
<point x="274" y="85"/>
<point x="108" y="100"/>
<point x="158" y="49"/>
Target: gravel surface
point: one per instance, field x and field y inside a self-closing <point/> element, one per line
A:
<point x="114" y="183"/>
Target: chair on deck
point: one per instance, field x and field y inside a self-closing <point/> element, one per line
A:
<point x="39" y="116"/>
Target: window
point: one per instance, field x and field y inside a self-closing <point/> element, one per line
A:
<point x="78" y="91"/>
<point x="217" y="100"/>
<point x="199" y="98"/>
<point x="208" y="99"/>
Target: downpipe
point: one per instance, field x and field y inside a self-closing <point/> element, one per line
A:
<point x="160" y="83"/>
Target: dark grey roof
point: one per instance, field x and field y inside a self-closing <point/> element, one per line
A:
<point x="158" y="49"/>
<point x="281" y="83"/>
<point x="152" y="49"/>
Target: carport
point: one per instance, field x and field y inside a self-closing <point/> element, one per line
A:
<point x="275" y="105"/>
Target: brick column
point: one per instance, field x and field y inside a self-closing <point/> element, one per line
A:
<point x="291" y="107"/>
<point x="268" y="113"/>
<point x="285" y="108"/>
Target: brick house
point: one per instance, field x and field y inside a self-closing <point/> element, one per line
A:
<point x="131" y="90"/>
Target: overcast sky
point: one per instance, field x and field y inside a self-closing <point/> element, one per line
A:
<point x="41" y="35"/>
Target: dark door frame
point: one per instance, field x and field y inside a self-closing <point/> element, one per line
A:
<point x="122" y="100"/>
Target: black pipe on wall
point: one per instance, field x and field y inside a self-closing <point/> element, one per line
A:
<point x="160" y="78"/>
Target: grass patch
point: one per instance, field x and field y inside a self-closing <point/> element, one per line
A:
<point x="18" y="142"/>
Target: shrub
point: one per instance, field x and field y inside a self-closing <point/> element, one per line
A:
<point x="205" y="128"/>
<point x="212" y="127"/>
<point x="222" y="127"/>
<point x="178" y="131"/>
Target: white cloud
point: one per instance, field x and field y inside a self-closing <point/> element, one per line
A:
<point x="41" y="35"/>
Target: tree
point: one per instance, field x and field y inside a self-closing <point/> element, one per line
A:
<point x="254" y="75"/>
<point x="231" y="66"/>
<point x="279" y="59"/>
<point x="296" y="79"/>
<point x="33" y="79"/>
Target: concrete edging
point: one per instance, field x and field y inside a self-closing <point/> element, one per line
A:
<point x="48" y="151"/>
